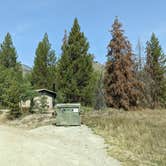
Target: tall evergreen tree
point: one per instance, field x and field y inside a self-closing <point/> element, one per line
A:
<point x="121" y="86"/>
<point x="64" y="72"/>
<point x="75" y="70"/>
<point x="11" y="79"/>
<point x="12" y="88"/>
<point x="155" y="69"/>
<point x="43" y="74"/>
<point x="139" y="64"/>
<point x="8" y="55"/>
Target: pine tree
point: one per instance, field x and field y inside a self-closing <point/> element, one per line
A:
<point x="139" y="63"/>
<point x="122" y="89"/>
<point x="11" y="80"/>
<point x="8" y="55"/>
<point x="155" y="71"/>
<point x="11" y="84"/>
<point x="75" y="68"/>
<point x="64" y="72"/>
<point x="44" y="70"/>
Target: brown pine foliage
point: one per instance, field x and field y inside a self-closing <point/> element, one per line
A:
<point x="122" y="89"/>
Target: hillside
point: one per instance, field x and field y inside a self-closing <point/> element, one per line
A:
<point x="96" y="65"/>
<point x="26" y="69"/>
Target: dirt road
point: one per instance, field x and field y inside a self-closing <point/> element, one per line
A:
<point x="50" y="145"/>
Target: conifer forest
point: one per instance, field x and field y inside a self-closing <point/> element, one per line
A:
<point x="128" y="80"/>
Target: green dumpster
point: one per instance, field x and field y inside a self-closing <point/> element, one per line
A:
<point x="68" y="114"/>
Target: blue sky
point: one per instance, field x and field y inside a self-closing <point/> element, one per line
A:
<point x="28" y="20"/>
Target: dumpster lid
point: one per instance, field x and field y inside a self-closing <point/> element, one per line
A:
<point x="68" y="105"/>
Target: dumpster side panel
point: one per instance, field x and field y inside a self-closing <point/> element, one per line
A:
<point x="68" y="118"/>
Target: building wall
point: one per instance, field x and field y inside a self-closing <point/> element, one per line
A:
<point x="26" y="104"/>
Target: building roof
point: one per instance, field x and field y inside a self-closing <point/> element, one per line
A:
<point x="46" y="90"/>
<point x="68" y="105"/>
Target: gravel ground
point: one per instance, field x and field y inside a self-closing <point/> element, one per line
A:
<point x="51" y="145"/>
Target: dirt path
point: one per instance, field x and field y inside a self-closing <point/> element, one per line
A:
<point x="50" y="145"/>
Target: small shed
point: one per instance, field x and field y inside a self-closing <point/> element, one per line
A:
<point x="68" y="114"/>
<point x="50" y="98"/>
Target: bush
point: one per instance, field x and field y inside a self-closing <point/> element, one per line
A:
<point x="41" y="104"/>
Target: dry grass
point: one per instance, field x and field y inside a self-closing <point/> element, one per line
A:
<point x="135" y="137"/>
<point x="29" y="121"/>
